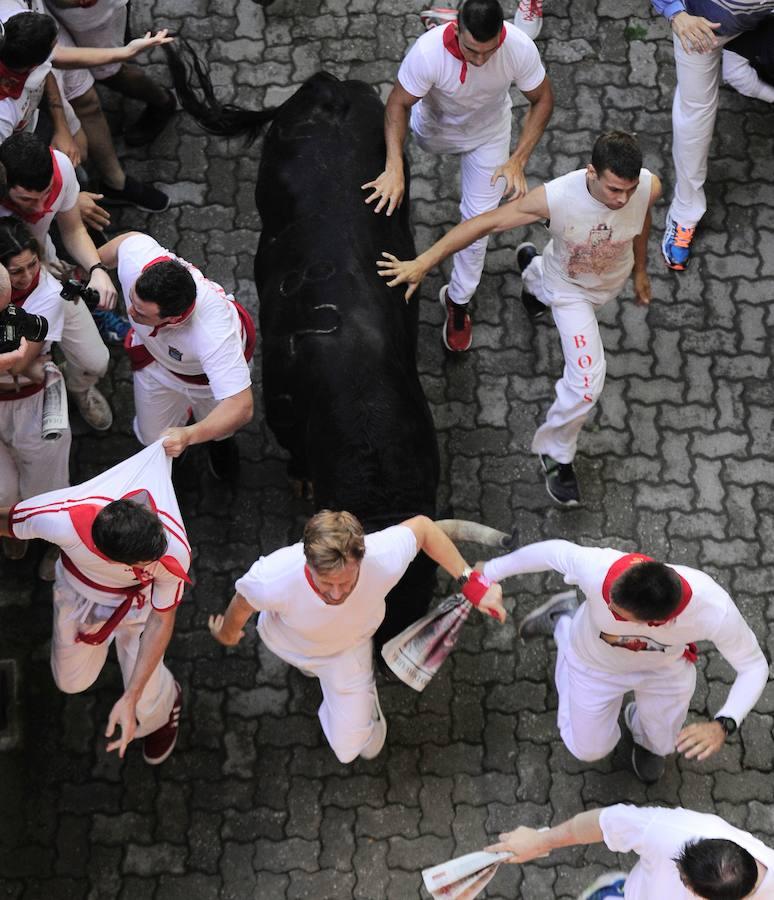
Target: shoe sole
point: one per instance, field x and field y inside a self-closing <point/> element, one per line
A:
<point x="540" y="610"/>
<point x="519" y="248"/>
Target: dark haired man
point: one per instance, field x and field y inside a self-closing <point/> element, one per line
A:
<point x="188" y="347"/>
<point x="123" y="567"/>
<point x="454" y="86"/>
<point x="599" y="220"/>
<point x="682" y="854"/>
<point x="636" y="631"/>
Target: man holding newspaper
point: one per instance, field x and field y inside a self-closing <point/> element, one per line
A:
<point x="322" y="599"/>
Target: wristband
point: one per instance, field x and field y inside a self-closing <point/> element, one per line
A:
<point x="98" y="265"/>
<point x="475" y="587"/>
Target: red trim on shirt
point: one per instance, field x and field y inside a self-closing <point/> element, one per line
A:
<point x="312" y="585"/>
<point x="155" y="261"/>
<point x="620" y="566"/>
<point x="451" y="42"/>
<point x="53" y="195"/>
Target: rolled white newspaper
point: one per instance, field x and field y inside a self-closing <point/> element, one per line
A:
<point x="463" y="878"/>
<point x="56" y="418"/>
<point x="417" y="653"/>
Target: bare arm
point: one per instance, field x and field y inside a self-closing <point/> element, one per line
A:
<point x="155" y="639"/>
<point x="510" y="215"/>
<point x="87" y="57"/>
<point x="541" y="105"/>
<point x="528" y="843"/>
<point x="108" y="253"/>
<point x="80" y="246"/>
<point x="390" y="186"/>
<point x="228" y="629"/>
<point x="642" y="288"/>
<point x="62" y="139"/>
<point x="228" y="416"/>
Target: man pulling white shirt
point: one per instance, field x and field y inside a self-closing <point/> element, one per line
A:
<point x="635" y="632"/>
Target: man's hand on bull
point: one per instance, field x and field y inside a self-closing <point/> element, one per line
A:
<point x="409" y="271"/>
<point x="492" y="603"/>
<point x="388" y="189"/>
<point x="515" y="179"/>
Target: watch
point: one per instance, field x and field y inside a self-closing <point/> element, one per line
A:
<point x="463" y="579"/>
<point x="727" y="724"/>
<point x="98" y="265"/>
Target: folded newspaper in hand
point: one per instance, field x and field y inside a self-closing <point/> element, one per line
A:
<point x="463" y="878"/>
<point x="417" y="653"/>
<point x="56" y="417"/>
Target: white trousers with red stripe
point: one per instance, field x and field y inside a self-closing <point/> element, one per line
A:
<point x="75" y="665"/>
<point x="590" y="702"/>
<point x="583" y="378"/>
<point x="163" y="401"/>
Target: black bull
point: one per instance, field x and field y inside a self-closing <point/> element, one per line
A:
<point x="340" y="381"/>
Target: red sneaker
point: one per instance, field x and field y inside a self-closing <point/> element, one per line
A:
<point x="458" y="327"/>
<point x="158" y="745"/>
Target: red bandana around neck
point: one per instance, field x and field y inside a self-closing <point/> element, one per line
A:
<point x="53" y="194"/>
<point x="620" y="566"/>
<point x="12" y="82"/>
<point x="451" y="42"/>
<point x="18" y="297"/>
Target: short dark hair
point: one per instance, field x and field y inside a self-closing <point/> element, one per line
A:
<point x="649" y="590"/>
<point x="29" y="39"/>
<point x="168" y="284"/>
<point x="15" y="238"/>
<point x="717" y="869"/>
<point x="482" y="18"/>
<point x="617" y="152"/>
<point x="27" y="162"/>
<point x="129" y="533"/>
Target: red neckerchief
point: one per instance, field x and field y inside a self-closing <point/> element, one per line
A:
<point x="312" y="585"/>
<point x="53" y="193"/>
<point x="620" y="566"/>
<point x="451" y="42"/>
<point x="12" y="82"/>
<point x="184" y="314"/>
<point x="18" y="297"/>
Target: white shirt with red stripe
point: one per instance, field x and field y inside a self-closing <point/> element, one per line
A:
<point x="707" y="614"/>
<point x="475" y="111"/>
<point x="65" y="517"/>
<point x="657" y="835"/>
<point x="296" y="621"/>
<point x="209" y="341"/>
<point x="21" y="114"/>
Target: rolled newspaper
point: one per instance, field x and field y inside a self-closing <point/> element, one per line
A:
<point x="463" y="878"/>
<point x="56" y="418"/>
<point x="418" y="652"/>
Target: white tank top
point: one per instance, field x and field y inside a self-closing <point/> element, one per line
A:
<point x="591" y="251"/>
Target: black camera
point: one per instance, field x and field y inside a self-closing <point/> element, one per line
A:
<point x="72" y="289"/>
<point x="16" y="324"/>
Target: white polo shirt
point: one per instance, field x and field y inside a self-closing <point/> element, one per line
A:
<point x="657" y="836"/>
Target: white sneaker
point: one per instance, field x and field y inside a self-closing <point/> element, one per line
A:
<point x="374" y="747"/>
<point x="94" y="408"/>
<point x="529" y="17"/>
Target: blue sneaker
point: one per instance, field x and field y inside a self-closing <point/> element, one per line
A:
<point x="606" y="887"/>
<point x="112" y="327"/>
<point x="676" y="244"/>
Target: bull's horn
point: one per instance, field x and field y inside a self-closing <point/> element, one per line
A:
<point x="462" y="530"/>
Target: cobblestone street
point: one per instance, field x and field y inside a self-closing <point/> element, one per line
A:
<point x="676" y="463"/>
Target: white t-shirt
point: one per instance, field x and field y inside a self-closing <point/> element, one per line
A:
<point x="65" y="517"/>
<point x="22" y="114"/>
<point x="591" y="251"/>
<point x="657" y="836"/>
<point x="465" y="116"/>
<point x="295" y="620"/>
<point x="86" y="19"/>
<point x="64" y="196"/>
<point x="209" y="341"/>
<point x="710" y="615"/>
<point x="44" y="301"/>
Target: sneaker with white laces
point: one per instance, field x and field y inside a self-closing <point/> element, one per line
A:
<point x="606" y="887"/>
<point x="159" y="744"/>
<point x="94" y="408"/>
<point x="541" y="622"/>
<point x="458" y="327"/>
<point x="136" y="193"/>
<point x="561" y="482"/>
<point x="374" y="746"/>
<point x="529" y="17"/>
<point x="438" y="15"/>
<point x="676" y="244"/>
<point x="648" y="766"/>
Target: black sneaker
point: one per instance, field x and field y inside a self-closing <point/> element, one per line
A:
<point x="223" y="459"/>
<point x="525" y="253"/>
<point x="150" y="123"/>
<point x="648" y="766"/>
<point x="561" y="483"/>
<point x="137" y="193"/>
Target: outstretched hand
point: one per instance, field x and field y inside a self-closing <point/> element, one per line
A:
<point x="523" y="844"/>
<point x="409" y="272"/>
<point x="388" y="188"/>
<point x="215" y="624"/>
<point x="122" y="714"/>
<point x="139" y="45"/>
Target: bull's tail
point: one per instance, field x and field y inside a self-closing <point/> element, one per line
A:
<point x="189" y="72"/>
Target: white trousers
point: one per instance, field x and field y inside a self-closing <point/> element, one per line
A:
<point x="75" y="666"/>
<point x="583" y="378"/>
<point x="478" y="196"/>
<point x="163" y="401"/>
<point x="28" y="464"/>
<point x="590" y="702"/>
<point x="86" y="354"/>
<point x="694" y="109"/>
<point x="349" y="697"/>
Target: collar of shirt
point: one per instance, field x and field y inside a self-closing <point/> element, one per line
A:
<point x="451" y="42"/>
